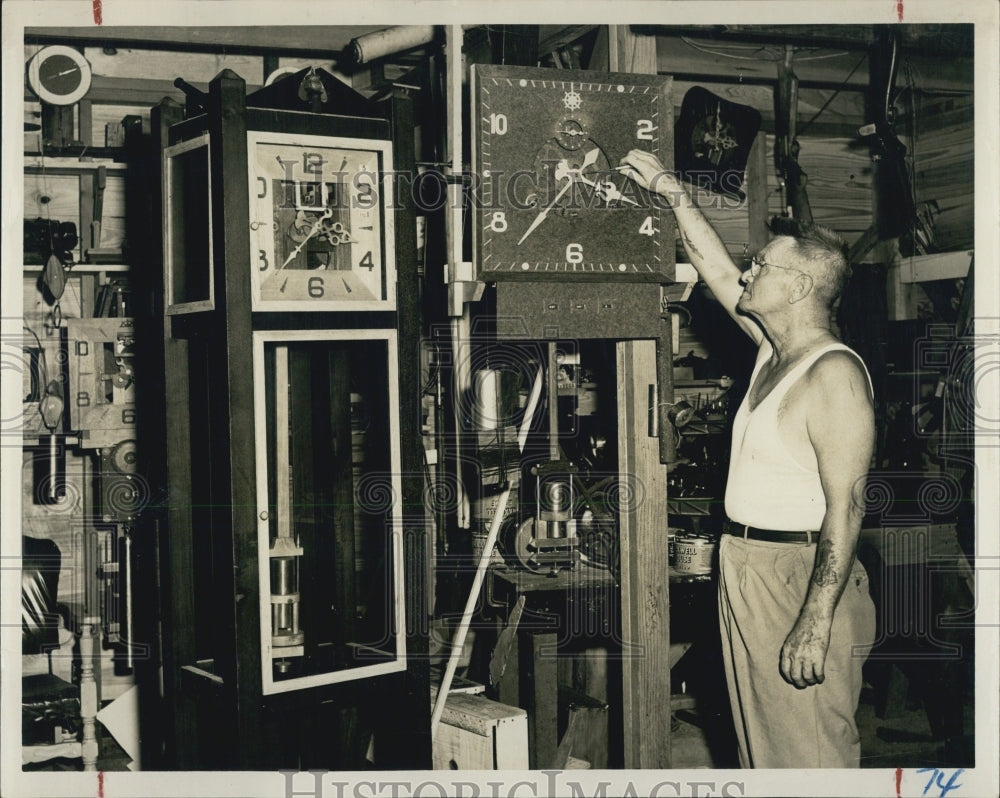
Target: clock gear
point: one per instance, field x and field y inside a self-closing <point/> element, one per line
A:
<point x="571" y="134"/>
<point x="718" y="135"/>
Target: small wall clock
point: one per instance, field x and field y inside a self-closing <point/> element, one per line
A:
<point x="320" y="222"/>
<point x="59" y="75"/>
<point x="551" y="204"/>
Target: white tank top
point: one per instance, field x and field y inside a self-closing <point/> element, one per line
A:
<point x="767" y="487"/>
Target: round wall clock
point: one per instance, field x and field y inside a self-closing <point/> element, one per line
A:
<point x="59" y="75"/>
<point x="320" y="222"/>
<point x="551" y="204"/>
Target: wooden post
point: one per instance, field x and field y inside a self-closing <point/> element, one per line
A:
<point x="176" y="546"/>
<point x="234" y="517"/>
<point x="543" y="717"/>
<point x="628" y="52"/>
<point x="644" y="584"/>
<point x="410" y="740"/>
<point x="757" y="234"/>
<point x="85" y="129"/>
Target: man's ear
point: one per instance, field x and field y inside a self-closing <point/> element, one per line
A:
<point x="801" y="288"/>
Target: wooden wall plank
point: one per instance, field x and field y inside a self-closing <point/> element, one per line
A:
<point x="63" y="192"/>
<point x="944" y="171"/>
<point x="839" y="176"/>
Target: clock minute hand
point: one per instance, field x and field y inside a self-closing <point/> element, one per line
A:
<point x="562" y="172"/>
<point x="327" y="213"/>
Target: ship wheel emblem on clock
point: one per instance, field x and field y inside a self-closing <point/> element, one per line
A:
<point x="572" y="101"/>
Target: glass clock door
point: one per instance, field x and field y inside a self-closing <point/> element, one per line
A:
<point x="329" y="519"/>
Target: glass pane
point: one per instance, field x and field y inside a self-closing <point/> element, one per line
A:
<point x="189" y="240"/>
<point x="330" y="507"/>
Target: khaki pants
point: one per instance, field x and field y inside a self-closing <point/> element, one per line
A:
<point x="761" y="589"/>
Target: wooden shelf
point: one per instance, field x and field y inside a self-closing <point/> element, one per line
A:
<point x="705" y="427"/>
<point x="690" y="506"/>
<point x="83" y="268"/>
<point x="67" y="160"/>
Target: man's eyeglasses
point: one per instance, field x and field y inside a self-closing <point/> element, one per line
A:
<point x="758" y="264"/>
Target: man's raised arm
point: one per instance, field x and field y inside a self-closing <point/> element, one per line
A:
<point x="703" y="246"/>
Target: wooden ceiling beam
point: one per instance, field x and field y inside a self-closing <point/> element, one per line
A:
<point x="938" y="39"/>
<point x="556" y="37"/>
<point x="302" y="40"/>
<point x="699" y="59"/>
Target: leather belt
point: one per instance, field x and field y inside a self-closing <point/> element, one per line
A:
<point x="769" y="535"/>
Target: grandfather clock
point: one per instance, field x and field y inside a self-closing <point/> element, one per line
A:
<point x="291" y="544"/>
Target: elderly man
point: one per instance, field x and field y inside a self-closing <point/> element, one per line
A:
<point x="797" y="620"/>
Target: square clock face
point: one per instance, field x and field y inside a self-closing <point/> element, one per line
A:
<point x="551" y="204"/>
<point x="321" y="233"/>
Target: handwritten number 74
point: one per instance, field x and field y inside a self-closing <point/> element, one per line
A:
<point x="937" y="779"/>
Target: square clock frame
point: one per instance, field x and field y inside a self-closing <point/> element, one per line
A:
<point x="321" y="223"/>
<point x="552" y="205"/>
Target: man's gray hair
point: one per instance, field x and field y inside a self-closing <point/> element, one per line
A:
<point x="822" y="248"/>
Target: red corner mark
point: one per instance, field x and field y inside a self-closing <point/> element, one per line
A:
<point x="100" y="776"/>
<point x="899" y="771"/>
<point x="899" y="9"/>
<point x="96" y="4"/>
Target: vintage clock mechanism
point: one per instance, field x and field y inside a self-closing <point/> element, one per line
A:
<point x="714" y="136"/>
<point x="551" y="202"/>
<point x="280" y="242"/>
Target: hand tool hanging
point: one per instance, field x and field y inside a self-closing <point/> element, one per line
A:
<point x="786" y="145"/>
<point x="61" y="241"/>
<point x="94" y="252"/>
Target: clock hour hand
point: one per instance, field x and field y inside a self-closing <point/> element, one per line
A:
<point x="327" y="213"/>
<point x="607" y="190"/>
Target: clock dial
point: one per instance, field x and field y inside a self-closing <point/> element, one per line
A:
<point x="59" y="75"/>
<point x="318" y="226"/>
<point x="551" y="204"/>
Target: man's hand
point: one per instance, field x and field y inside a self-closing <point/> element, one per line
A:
<point x="803" y="655"/>
<point x="647" y="170"/>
